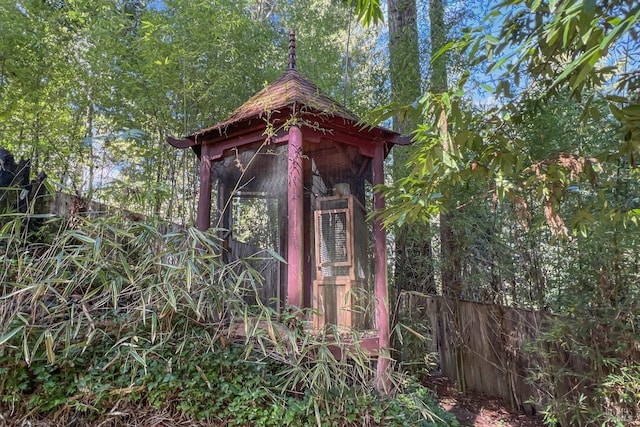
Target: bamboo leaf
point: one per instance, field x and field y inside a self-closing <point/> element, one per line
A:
<point x="48" y="342"/>
<point x="96" y="248"/>
<point x="6" y="337"/>
<point x="25" y="349"/>
<point x="140" y="359"/>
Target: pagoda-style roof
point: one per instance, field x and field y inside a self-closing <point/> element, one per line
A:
<point x="289" y="91"/>
<point x="290" y="95"/>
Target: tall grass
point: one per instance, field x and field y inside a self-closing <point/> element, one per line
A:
<point x="111" y="311"/>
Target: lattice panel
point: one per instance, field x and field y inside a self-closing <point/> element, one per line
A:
<point x="333" y="238"/>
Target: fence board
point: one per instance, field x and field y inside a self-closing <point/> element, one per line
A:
<point x="488" y="341"/>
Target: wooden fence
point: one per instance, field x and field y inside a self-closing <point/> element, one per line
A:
<point x="482" y="346"/>
<point x="67" y="205"/>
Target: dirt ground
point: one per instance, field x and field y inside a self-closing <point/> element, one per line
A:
<point x="475" y="409"/>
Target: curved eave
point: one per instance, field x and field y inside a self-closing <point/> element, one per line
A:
<point x="313" y="118"/>
<point x="181" y="143"/>
<point x="185" y="143"/>
<point x="236" y="133"/>
<point x="393" y="137"/>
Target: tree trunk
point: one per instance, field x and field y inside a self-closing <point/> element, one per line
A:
<point x="438" y="33"/>
<point x="451" y="273"/>
<point x="451" y="285"/>
<point x="413" y="254"/>
<point x="404" y="58"/>
<point x="413" y="257"/>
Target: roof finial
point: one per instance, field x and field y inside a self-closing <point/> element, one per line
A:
<point x="292" y="49"/>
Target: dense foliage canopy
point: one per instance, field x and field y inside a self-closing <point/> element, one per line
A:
<point x="534" y="163"/>
<point x="90" y="90"/>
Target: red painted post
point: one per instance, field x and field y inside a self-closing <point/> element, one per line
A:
<point x="295" y="208"/>
<point x="203" y="221"/>
<point x="381" y="291"/>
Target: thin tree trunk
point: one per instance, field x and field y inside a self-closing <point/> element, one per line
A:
<point x="88" y="133"/>
<point x="413" y="253"/>
<point x="450" y="262"/>
<point x="449" y="242"/>
<point x="404" y="58"/>
<point x="413" y="249"/>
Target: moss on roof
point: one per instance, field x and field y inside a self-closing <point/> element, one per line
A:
<point x="290" y="90"/>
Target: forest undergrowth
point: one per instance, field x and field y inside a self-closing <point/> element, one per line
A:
<point x="116" y="323"/>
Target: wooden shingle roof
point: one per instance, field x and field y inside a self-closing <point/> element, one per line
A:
<point x="289" y="96"/>
<point x="291" y="90"/>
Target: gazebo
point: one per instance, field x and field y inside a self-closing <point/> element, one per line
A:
<point x="292" y="172"/>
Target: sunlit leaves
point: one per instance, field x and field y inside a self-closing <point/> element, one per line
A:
<point x="74" y="72"/>
<point x="369" y="11"/>
<point x="557" y="49"/>
<point x="574" y="46"/>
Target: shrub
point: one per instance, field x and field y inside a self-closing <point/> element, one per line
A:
<point x="112" y="321"/>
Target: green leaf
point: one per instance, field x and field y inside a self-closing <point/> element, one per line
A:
<point x="535" y="5"/>
<point x="617" y="112"/>
<point x="138" y="358"/>
<point x="96" y="247"/>
<point x="487" y="88"/>
<point x="631" y="111"/>
<point x="589" y="7"/>
<point x="6" y="337"/>
<point x="369" y="11"/>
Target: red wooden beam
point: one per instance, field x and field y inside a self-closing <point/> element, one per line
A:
<point x="216" y="148"/>
<point x="180" y="143"/>
<point x="203" y="221"/>
<point x="295" y="208"/>
<point x="381" y="291"/>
